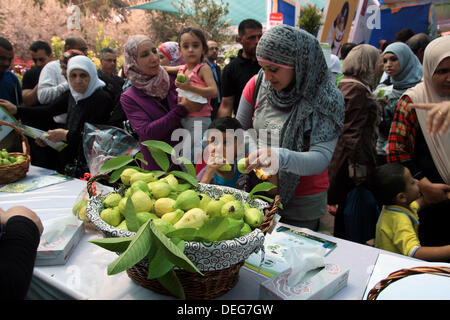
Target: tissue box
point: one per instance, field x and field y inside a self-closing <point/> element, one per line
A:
<point x="318" y="284"/>
<point x="57" y="251"/>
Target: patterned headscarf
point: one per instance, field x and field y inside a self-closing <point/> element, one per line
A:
<point x="361" y="62"/>
<point x="411" y="69"/>
<point x="154" y="86"/>
<point x="314" y="101"/>
<point x="172" y="51"/>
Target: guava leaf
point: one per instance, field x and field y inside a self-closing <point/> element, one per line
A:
<point x="116" y="163"/>
<point x="233" y="231"/>
<point x="139" y="156"/>
<point x="212" y="229"/>
<point x="130" y="216"/>
<point x="136" y="251"/>
<point x="113" y="244"/>
<point x="189" y="166"/>
<point x="159" y="265"/>
<point x="174" y="254"/>
<point x="160" y="145"/>
<point x="186" y="176"/>
<point x="187" y="234"/>
<point x="160" y="158"/>
<point x="171" y="282"/>
<point x="261" y="187"/>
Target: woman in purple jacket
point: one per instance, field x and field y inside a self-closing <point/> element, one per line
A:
<point x="150" y="104"/>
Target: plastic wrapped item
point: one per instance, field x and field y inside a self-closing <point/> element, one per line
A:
<point x="102" y="143"/>
<point x="191" y="96"/>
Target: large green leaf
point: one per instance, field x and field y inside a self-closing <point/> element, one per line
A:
<point x="160" y="158"/>
<point x="113" y="244"/>
<point x="139" y="156"/>
<point x="159" y="265"/>
<point x="187" y="234"/>
<point x="116" y="163"/>
<point x="186" y="176"/>
<point x="212" y="229"/>
<point x="171" y="282"/>
<point x="136" y="251"/>
<point x="261" y="187"/>
<point x="160" y="145"/>
<point x="189" y="166"/>
<point x="130" y="216"/>
<point x="174" y="254"/>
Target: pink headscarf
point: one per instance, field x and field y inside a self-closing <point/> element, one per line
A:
<point x="154" y="86"/>
<point x="172" y="51"/>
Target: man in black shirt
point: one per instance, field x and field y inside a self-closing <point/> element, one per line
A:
<point x="211" y="56"/>
<point x="114" y="83"/>
<point x="20" y="232"/>
<point x="239" y="71"/>
<point x="41" y="53"/>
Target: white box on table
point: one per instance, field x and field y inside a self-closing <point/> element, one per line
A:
<point x="318" y="284"/>
<point x="58" y="251"/>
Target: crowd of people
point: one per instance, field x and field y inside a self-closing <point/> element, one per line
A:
<point x="372" y="126"/>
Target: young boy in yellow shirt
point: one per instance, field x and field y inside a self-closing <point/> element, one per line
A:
<point x="398" y="223"/>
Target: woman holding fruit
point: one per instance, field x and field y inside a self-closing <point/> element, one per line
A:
<point x="298" y="101"/>
<point x="151" y="104"/>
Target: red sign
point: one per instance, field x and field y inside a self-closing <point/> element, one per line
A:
<point x="275" y="18"/>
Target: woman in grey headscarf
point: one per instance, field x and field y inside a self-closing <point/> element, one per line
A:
<point x="298" y="101"/>
<point x="405" y="70"/>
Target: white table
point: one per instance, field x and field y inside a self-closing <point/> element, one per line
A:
<point x="84" y="275"/>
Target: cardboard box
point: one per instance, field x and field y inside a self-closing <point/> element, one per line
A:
<point x="318" y="284"/>
<point x="58" y="250"/>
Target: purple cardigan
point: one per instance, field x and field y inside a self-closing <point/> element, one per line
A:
<point x="153" y="119"/>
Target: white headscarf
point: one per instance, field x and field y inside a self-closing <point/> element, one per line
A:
<point x="439" y="145"/>
<point x="85" y="64"/>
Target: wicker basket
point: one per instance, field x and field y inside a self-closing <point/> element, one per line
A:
<point x="400" y="274"/>
<point x="213" y="283"/>
<point x="15" y="172"/>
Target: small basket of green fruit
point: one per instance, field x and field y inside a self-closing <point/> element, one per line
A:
<point x="174" y="235"/>
<point x="14" y="165"/>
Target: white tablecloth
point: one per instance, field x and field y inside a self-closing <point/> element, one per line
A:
<point x="84" y="275"/>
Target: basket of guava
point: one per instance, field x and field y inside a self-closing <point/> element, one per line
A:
<point x="176" y="236"/>
<point x="14" y="165"/>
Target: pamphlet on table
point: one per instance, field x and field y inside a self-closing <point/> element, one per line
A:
<point x="27" y="130"/>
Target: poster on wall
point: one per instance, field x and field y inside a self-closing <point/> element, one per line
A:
<point x="367" y="18"/>
<point x="339" y="16"/>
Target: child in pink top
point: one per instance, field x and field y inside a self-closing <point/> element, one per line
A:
<point x="200" y="81"/>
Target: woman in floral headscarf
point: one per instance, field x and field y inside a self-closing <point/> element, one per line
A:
<point x="150" y="104"/>
<point x="169" y="54"/>
<point x="297" y="101"/>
